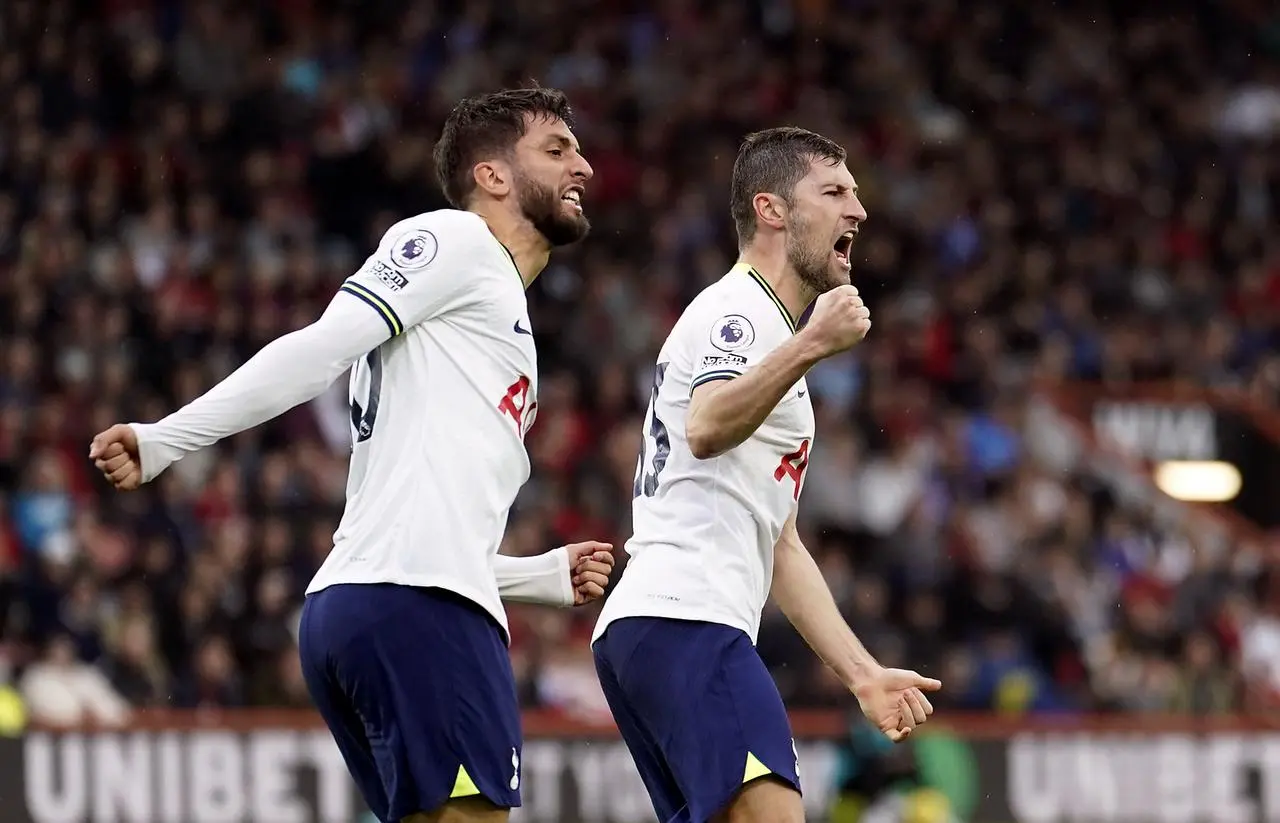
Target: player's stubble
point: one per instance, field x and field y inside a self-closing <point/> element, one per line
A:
<point x="810" y="255"/>
<point x="543" y="208"/>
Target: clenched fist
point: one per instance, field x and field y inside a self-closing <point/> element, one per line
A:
<point x="590" y="565"/>
<point x="114" y="452"/>
<point x="839" y="321"/>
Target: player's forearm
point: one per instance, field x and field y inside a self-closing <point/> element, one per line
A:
<point x="288" y="371"/>
<point x="543" y="579"/>
<point x="802" y="594"/>
<point x="725" y="413"/>
<point x="273" y="381"/>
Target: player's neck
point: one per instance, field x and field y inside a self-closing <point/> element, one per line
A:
<point x="794" y="293"/>
<point x="526" y="245"/>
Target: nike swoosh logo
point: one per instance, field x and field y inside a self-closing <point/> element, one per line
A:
<point x="520" y="330"/>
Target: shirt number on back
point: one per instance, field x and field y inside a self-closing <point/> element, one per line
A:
<point x="793" y="466"/>
<point x="366" y="377"/>
<point x="646" y="482"/>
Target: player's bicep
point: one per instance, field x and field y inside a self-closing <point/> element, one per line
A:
<point x="704" y="391"/>
<point x="415" y="274"/>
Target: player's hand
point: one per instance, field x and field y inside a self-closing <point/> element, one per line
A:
<point x="115" y="453"/>
<point x="839" y="321"/>
<point x="894" y="700"/>
<point x="590" y="565"/>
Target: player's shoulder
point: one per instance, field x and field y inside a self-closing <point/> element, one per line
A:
<point x="415" y="241"/>
<point x="465" y="223"/>
<point x="740" y="288"/>
<point x="738" y="302"/>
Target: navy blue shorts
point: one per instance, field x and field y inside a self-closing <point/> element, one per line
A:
<point x="698" y="711"/>
<point x="417" y="688"/>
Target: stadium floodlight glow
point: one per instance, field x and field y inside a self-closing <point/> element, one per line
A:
<point x="1198" y="481"/>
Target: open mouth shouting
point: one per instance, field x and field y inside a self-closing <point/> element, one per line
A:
<point x="844" y="246"/>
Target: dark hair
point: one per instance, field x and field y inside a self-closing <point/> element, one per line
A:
<point x="774" y="161"/>
<point x="485" y="126"/>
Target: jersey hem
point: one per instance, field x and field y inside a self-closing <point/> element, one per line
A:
<point x="426" y="582"/>
<point x="671" y="614"/>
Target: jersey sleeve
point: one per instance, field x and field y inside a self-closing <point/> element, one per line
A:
<point x="726" y="342"/>
<point x="542" y="579"/>
<point x="423" y="267"/>
<point x="287" y="371"/>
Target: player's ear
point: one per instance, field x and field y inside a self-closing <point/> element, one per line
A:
<point x="493" y="177"/>
<point x="770" y="209"/>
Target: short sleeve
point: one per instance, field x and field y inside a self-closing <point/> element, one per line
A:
<point x="423" y="267"/>
<point x="726" y="345"/>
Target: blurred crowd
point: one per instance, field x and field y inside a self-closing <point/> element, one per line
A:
<point x="1057" y="191"/>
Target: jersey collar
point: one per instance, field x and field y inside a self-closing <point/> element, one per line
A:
<point x="750" y="271"/>
<point x="512" y="258"/>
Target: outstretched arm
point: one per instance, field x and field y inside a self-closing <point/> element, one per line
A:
<point x="893" y="699"/>
<point x="417" y="272"/>
<point x="801" y="592"/>
<point x="290" y="370"/>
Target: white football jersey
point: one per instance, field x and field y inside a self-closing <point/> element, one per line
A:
<point x="438" y="412"/>
<point x="704" y="530"/>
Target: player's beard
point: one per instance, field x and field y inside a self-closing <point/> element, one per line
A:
<point x="543" y="208"/>
<point x="809" y="258"/>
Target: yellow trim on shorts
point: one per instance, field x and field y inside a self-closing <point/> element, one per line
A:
<point x="754" y="769"/>
<point x="463" y="785"/>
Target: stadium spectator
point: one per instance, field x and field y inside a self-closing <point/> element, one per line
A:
<point x="64" y="691"/>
